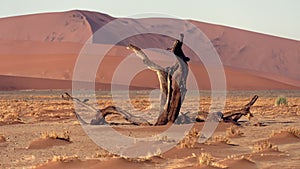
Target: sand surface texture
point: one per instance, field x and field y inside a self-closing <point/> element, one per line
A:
<point x="39" y="129"/>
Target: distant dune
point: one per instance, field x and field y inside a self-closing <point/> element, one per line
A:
<point x="39" y="51"/>
<point x="30" y="83"/>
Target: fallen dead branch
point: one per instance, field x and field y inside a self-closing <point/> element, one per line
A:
<point x="102" y="113"/>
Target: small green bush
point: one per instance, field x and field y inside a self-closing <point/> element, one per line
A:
<point x="281" y="101"/>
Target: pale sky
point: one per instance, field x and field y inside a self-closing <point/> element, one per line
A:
<point x="274" y="17"/>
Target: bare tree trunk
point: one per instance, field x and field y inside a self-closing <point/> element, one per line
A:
<point x="172" y="82"/>
<point x="172" y="85"/>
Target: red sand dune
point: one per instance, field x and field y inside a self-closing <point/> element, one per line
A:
<point x="42" y="49"/>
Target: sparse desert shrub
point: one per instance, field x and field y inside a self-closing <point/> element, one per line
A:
<point x="264" y="146"/>
<point x="190" y="139"/>
<point x="233" y="131"/>
<point x="281" y="101"/>
<point x="53" y="135"/>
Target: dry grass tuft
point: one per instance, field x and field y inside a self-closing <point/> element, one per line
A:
<point x="64" y="158"/>
<point x="234" y="131"/>
<point x="53" y="135"/>
<point x="294" y="131"/>
<point x="263" y="146"/>
<point x="218" y="139"/>
<point x="208" y="160"/>
<point x="103" y="154"/>
<point x="146" y="158"/>
<point x="190" y="139"/>
<point x="221" y="139"/>
<point x="10" y="117"/>
<point x="141" y="103"/>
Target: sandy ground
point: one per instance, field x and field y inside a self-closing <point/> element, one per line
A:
<point x="39" y="130"/>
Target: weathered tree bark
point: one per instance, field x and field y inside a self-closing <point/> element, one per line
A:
<point x="235" y="115"/>
<point x="172" y="81"/>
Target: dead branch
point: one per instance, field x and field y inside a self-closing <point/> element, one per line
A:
<point x="102" y="113"/>
<point x="184" y="118"/>
<point x="232" y="116"/>
<point x="235" y="115"/>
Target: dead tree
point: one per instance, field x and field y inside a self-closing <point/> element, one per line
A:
<point x="172" y="85"/>
<point x="172" y="81"/>
<point x="100" y="114"/>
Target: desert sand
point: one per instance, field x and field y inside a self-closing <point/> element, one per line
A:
<point x="39" y="129"/>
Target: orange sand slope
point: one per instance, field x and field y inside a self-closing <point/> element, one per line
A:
<point x="46" y="46"/>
